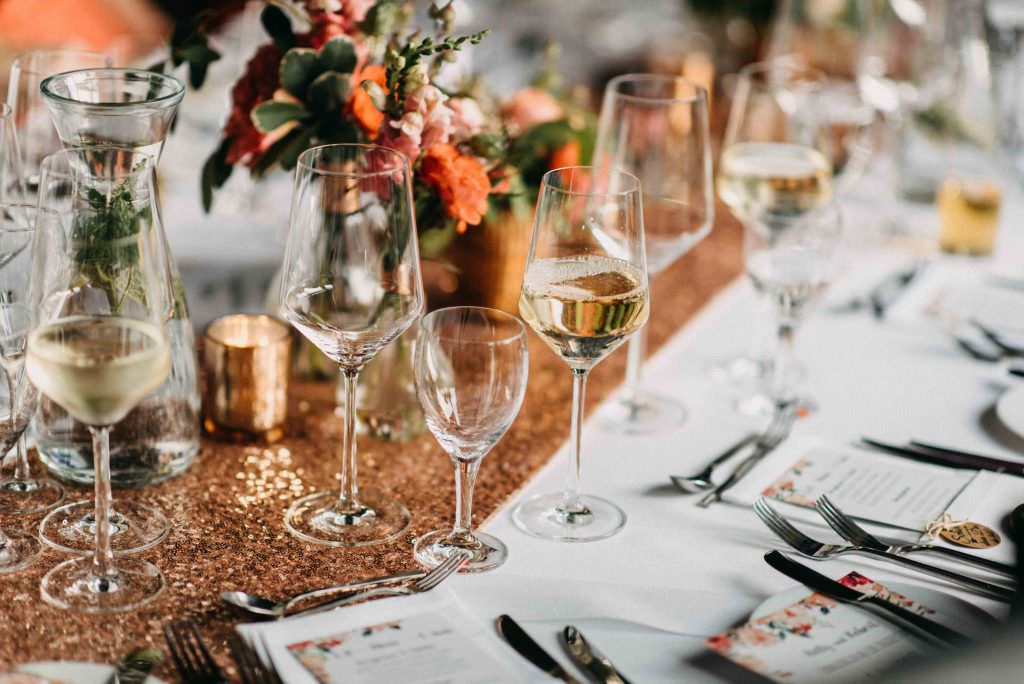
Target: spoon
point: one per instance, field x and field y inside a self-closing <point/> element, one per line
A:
<point x="262" y="607"/>
<point x="701" y="482"/>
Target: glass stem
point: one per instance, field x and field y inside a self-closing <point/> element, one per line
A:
<point x="348" y="501"/>
<point x="22" y="471"/>
<point x="465" y="480"/>
<point x="782" y="390"/>
<point x="571" y="497"/>
<point x="103" y="558"/>
<point x="637" y="346"/>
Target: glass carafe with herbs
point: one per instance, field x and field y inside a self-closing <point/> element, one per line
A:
<point x="134" y="109"/>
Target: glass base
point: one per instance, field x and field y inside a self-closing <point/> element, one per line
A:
<point x="134" y="527"/>
<point x="72" y="586"/>
<point x="646" y="414"/>
<point x="763" y="406"/>
<point x="740" y="373"/>
<point x="316" y="518"/>
<point x="543" y="516"/>
<point x="20" y="551"/>
<point x="21" y="497"/>
<point x="433" y="548"/>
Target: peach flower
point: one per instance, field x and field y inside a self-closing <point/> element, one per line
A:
<point x="461" y="181"/>
<point x="532" y="106"/>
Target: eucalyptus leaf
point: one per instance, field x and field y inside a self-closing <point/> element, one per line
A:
<point x="338" y="54"/>
<point x="270" y="115"/>
<point x="278" y="27"/>
<point x="329" y="92"/>
<point x="298" y="69"/>
<point x="216" y="172"/>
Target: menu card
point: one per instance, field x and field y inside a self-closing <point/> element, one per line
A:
<point x="818" y="639"/>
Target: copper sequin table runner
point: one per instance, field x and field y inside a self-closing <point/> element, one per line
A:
<point x="226" y="511"/>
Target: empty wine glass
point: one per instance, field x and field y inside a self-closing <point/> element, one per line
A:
<point x="584" y="292"/>
<point x="36" y="131"/>
<point x="656" y="128"/>
<point x="100" y="300"/>
<point x="21" y="492"/>
<point x="351" y="284"/>
<point x="471" y="368"/>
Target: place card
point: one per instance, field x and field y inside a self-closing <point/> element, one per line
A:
<point x="818" y="639"/>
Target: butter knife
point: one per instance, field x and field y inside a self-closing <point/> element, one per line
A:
<point x="135" y="667"/>
<point x="525" y="646"/>
<point x="593" y="662"/>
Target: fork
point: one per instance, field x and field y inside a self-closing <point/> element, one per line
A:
<point x="251" y="667"/>
<point x="433" y="578"/>
<point x="193" y="662"/>
<point x="816" y="550"/>
<point x="849" y="530"/>
<point x="774" y="434"/>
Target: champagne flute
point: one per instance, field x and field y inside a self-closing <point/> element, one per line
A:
<point x="351" y="284"/>
<point x="36" y="131"/>
<point x="774" y="167"/>
<point x="100" y="296"/>
<point x="21" y="492"/>
<point x="584" y="292"/>
<point x="656" y="127"/>
<point x="471" y="368"/>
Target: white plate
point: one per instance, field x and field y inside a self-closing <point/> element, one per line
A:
<point x="1010" y="409"/>
<point x="950" y="611"/>
<point x="74" y="672"/>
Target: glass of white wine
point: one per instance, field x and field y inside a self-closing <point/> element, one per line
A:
<point x="656" y="127"/>
<point x="773" y="169"/>
<point x="100" y="300"/>
<point x="351" y="284"/>
<point x="584" y="292"/>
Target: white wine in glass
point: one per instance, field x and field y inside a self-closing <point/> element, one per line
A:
<point x="762" y="181"/>
<point x="584" y="293"/>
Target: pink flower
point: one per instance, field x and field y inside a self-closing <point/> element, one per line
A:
<point x="468" y="119"/>
<point x="531" y="106"/>
<point x="426" y="122"/>
<point x="404" y="135"/>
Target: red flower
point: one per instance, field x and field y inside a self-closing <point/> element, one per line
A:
<point x="566" y="155"/>
<point x="361" y="104"/>
<point x="460" y="180"/>
<point x="257" y="84"/>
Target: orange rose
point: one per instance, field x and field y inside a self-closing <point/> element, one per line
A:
<point x="361" y="104"/>
<point x="460" y="180"/>
<point x="566" y="155"/>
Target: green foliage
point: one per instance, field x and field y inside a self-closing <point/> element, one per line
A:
<point x="338" y="54"/>
<point x="298" y="69"/>
<point x="329" y="91"/>
<point x="270" y="115"/>
<point x="278" y="26"/>
<point x="216" y="172"/>
<point x="383" y="19"/>
<point x="531" y="151"/>
<point x="402" y="65"/>
<point x="188" y="45"/>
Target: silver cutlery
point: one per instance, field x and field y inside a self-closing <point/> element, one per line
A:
<point x="594" y="663"/>
<point x="701" y="482"/>
<point x="433" y="578"/>
<point x="829" y="587"/>
<point x="774" y="435"/>
<point x="951" y="458"/>
<point x="816" y="550"/>
<point x="251" y="667"/>
<point x="191" y="659"/>
<point x="997" y="339"/>
<point x="885" y="293"/>
<point x="259" y="606"/>
<point x="849" y="530"/>
<point x="525" y="646"/>
<point x="135" y="667"/>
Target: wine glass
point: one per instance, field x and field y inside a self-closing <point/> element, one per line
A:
<point x="100" y="296"/>
<point x="792" y="262"/>
<point x="774" y="167"/>
<point x="351" y="284"/>
<point x="584" y="292"/>
<point x="656" y="128"/>
<point x="471" y="368"/>
<point x="124" y="204"/>
<point x="21" y="492"/>
<point x="36" y="131"/>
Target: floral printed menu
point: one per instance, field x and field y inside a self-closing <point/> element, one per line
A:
<point x="818" y="639"/>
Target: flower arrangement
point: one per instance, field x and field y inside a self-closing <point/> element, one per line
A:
<point x="350" y="71"/>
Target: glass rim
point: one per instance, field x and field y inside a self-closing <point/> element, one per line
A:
<point x="403" y="161"/>
<point x="700" y="93"/>
<point x="22" y="57"/>
<point x="177" y="93"/>
<point x="213" y="326"/>
<point x="788" y="62"/>
<point x="520" y="333"/>
<point x="66" y="153"/>
<point x="546" y="185"/>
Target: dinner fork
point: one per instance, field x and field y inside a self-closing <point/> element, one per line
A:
<point x="193" y="662"/>
<point x="447" y="568"/>
<point x="849" y="530"/>
<point x="774" y="434"/>
<point x="816" y="550"/>
<point x="251" y="667"/>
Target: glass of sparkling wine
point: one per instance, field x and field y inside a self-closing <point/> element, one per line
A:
<point x="656" y="127"/>
<point x="100" y="301"/>
<point x="351" y="284"/>
<point x="470" y="368"/>
<point x="584" y="292"/>
<point x="774" y="168"/>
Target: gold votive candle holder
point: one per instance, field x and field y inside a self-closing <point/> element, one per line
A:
<point x="247" y="359"/>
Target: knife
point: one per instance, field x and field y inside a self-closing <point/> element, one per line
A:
<point x="829" y="587"/>
<point x="135" y="667"/>
<point x="590" y="659"/>
<point x="525" y="646"/>
<point x="950" y="458"/>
